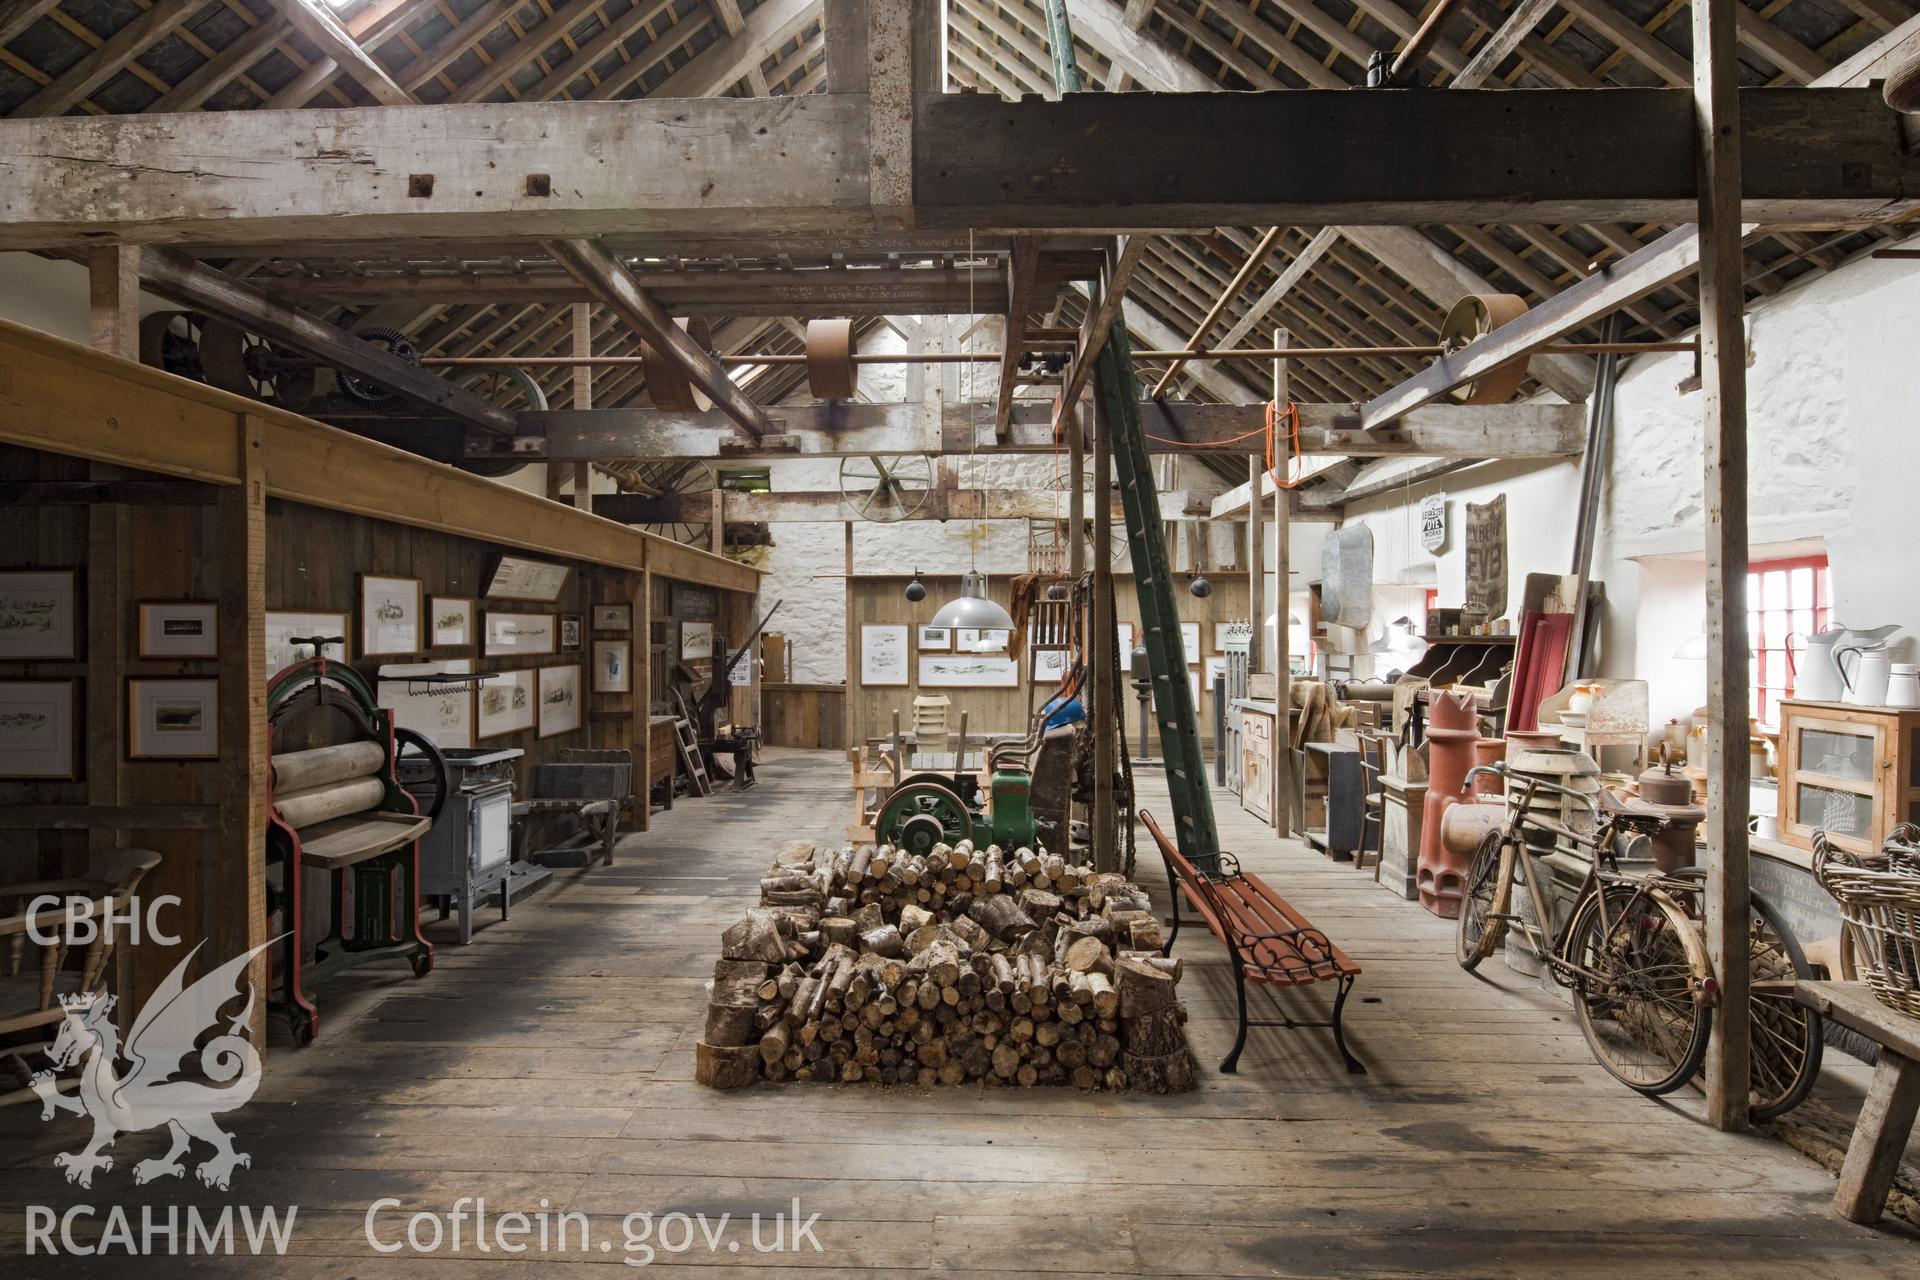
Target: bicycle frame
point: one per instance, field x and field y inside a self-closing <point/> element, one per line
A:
<point x="1553" y="948"/>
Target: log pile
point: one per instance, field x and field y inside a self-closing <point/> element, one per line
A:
<point x="964" y="964"/>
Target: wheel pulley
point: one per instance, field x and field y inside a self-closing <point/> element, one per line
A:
<point x="366" y="391"/>
<point x="920" y="814"/>
<point x="1473" y="318"/>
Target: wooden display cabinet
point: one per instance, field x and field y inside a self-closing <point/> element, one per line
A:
<point x="1853" y="772"/>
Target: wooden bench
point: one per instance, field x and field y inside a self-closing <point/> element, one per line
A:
<point x="1267" y="940"/>
<point x="1886" y="1117"/>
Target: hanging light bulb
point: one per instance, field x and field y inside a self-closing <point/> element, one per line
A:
<point x="916" y="591"/>
<point x="972" y="608"/>
<point x="1200" y="587"/>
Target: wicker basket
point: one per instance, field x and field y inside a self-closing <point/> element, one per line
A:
<point x="1879" y="897"/>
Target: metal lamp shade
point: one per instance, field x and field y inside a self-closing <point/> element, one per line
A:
<point x="972" y="609"/>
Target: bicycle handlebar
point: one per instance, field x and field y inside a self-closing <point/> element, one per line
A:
<point x="1533" y="784"/>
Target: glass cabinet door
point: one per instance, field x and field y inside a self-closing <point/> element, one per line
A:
<point x="1835" y="784"/>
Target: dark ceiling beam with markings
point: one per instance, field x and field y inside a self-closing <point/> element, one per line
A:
<point x="616" y="288"/>
<point x="196" y="285"/>
<point x="797" y="165"/>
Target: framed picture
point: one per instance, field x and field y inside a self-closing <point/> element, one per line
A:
<point x="570" y="632"/>
<point x="530" y="634"/>
<point x="1216" y="672"/>
<point x="37" y="738"/>
<point x="504" y="704"/>
<point x="613" y="666"/>
<point x="452" y="621"/>
<point x="38" y="616"/>
<point x="1050" y="666"/>
<point x="935" y="639"/>
<point x="179" y="629"/>
<point x="1190" y="640"/>
<point x="1126" y="641"/>
<point x="442" y="714"/>
<point x="559" y="700"/>
<point x="518" y="578"/>
<point x="968" y="671"/>
<point x="883" y="655"/>
<point x="696" y="640"/>
<point x="969" y="640"/>
<point x="613" y="617"/>
<point x="173" y="719"/>
<point x="390" y="616"/>
<point x="283" y="626"/>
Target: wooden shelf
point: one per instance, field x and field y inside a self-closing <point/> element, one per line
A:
<point x="341" y="842"/>
<point x="1433" y="640"/>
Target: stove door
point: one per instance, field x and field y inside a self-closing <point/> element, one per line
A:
<point x="492" y="828"/>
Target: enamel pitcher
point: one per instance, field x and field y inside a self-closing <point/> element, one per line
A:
<point x="1867" y="675"/>
<point x="1818" y="678"/>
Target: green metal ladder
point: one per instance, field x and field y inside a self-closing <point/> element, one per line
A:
<point x="1118" y="394"/>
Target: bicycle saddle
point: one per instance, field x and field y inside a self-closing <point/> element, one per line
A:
<point x="1631" y="810"/>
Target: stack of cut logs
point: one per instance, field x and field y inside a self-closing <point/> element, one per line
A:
<point x="961" y="964"/>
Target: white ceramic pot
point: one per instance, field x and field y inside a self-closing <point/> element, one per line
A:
<point x="1903" y="685"/>
<point x="1866" y="676"/>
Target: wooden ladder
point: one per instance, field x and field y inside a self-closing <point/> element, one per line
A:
<point x="690" y="756"/>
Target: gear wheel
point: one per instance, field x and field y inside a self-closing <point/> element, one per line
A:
<point x="370" y="393"/>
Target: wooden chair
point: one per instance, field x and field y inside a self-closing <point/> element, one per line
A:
<point x="1373" y="763"/>
<point x="30" y="995"/>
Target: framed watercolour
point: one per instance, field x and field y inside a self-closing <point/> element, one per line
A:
<point x="613" y="617"/>
<point x="559" y="700"/>
<point x="391" y="613"/>
<point x="570" y="632"/>
<point x="613" y="666"/>
<point x="452" y="621"/>
<point x="1050" y="666"/>
<point x="1216" y="671"/>
<point x="883" y="655"/>
<point x="38" y="615"/>
<point x="696" y="640"/>
<point x="504" y="704"/>
<point x="179" y="629"/>
<point x="518" y="578"/>
<point x="968" y="671"/>
<point x="1190" y="640"/>
<point x="935" y="639"/>
<point x="443" y="714"/>
<point x="37" y="738"/>
<point x="529" y="634"/>
<point x="173" y="719"/>
<point x="283" y="626"/>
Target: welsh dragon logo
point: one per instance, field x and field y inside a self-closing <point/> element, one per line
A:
<point x="145" y="1096"/>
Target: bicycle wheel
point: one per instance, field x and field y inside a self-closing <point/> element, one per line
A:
<point x="1483" y="906"/>
<point x="1634" y="996"/>
<point x="1788" y="1038"/>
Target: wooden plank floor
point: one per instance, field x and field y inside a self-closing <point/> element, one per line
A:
<point x="551" y="1062"/>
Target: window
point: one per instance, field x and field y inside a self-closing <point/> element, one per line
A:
<point x="1787" y="600"/>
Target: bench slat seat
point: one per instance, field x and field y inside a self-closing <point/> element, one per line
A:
<point x="1267" y="939"/>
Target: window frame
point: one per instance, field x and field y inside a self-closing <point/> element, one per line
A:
<point x="1763" y="697"/>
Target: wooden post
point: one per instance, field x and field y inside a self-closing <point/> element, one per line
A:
<point x="1256" y="568"/>
<point x="1723" y="375"/>
<point x="853" y="658"/>
<point x="240" y="857"/>
<point x="1106" y="678"/>
<point x="1282" y="604"/>
<point x="717" y="522"/>
<point x="1077" y="495"/>
<point x="640" y="589"/>
<point x="113" y="297"/>
<point x="583" y="396"/>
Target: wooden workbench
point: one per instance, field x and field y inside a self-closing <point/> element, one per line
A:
<point x="1886" y="1118"/>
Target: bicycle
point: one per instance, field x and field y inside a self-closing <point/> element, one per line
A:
<point x="1633" y="951"/>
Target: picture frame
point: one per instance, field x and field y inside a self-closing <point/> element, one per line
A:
<point x="519" y="578"/>
<point x="528" y="635"/>
<point x="613" y="666"/>
<point x="934" y="639"/>
<point x="504" y="703"/>
<point x="570" y="633"/>
<point x="1190" y="641"/>
<point x="39" y="615"/>
<point x="443" y="714"/>
<point x="613" y="617"/>
<point x="968" y="671"/>
<point x="883" y="655"/>
<point x="559" y="700"/>
<point x="39" y="741"/>
<point x="391" y="612"/>
<point x="1050" y="666"/>
<point x="284" y="624"/>
<point x="1124" y="631"/>
<point x="696" y="640"/>
<point x="980" y="640"/>
<point x="452" y="625"/>
<point x="178" y="629"/>
<point x="173" y="718"/>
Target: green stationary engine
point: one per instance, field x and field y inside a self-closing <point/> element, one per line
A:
<point x="939" y="808"/>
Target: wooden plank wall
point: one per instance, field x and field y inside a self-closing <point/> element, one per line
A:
<point x="673" y="602"/>
<point x="805" y="715"/>
<point x="882" y="599"/>
<point x="149" y="552"/>
<point x="314" y="558"/>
